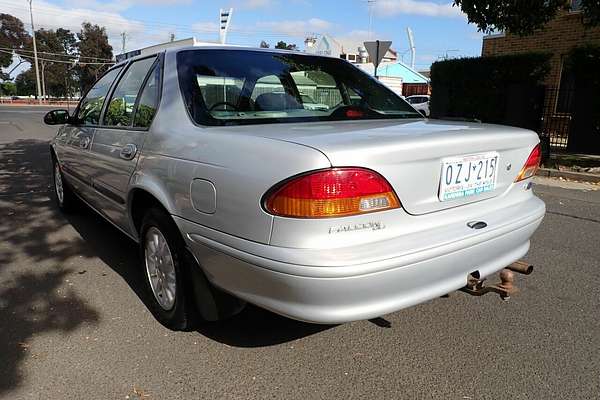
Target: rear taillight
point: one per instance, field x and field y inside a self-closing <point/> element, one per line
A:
<point x="333" y="192"/>
<point x="531" y="166"/>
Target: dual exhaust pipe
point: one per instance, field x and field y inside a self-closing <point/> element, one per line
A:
<point x="476" y="286"/>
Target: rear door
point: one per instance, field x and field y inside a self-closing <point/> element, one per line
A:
<point x="75" y="160"/>
<point x="120" y="137"/>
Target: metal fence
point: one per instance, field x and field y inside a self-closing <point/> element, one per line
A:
<point x="557" y="116"/>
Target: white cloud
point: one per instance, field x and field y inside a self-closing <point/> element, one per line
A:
<point x="121" y="5"/>
<point x="385" y="8"/>
<point x="296" y="27"/>
<point x="353" y="39"/>
<point x="51" y="16"/>
<point x="206" y="27"/>
<point x="252" y="4"/>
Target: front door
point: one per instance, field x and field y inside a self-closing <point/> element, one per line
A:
<point x="119" y="140"/>
<point x="76" y="162"/>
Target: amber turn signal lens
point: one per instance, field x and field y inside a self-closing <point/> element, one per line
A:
<point x="334" y="192"/>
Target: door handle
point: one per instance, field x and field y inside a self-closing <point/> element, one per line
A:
<point x="128" y="151"/>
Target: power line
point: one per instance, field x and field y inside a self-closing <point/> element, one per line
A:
<point x="65" y="61"/>
<point x="76" y="56"/>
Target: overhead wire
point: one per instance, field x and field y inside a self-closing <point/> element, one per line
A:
<point x="74" y="56"/>
<point x="65" y="61"/>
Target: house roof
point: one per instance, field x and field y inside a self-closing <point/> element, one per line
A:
<point x="395" y="70"/>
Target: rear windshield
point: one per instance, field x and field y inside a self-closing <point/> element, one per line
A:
<point x="235" y="87"/>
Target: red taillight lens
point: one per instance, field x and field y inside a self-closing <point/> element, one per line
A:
<point x="354" y="113"/>
<point x="531" y="166"/>
<point x="334" y="192"/>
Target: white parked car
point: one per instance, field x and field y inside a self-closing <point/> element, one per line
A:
<point x="420" y="103"/>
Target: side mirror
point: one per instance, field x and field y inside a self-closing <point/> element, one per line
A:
<point x="57" y="117"/>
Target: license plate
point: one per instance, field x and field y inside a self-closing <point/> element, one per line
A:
<point x="466" y="176"/>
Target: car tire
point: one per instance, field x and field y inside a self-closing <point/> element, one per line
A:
<point x="64" y="196"/>
<point x="166" y="269"/>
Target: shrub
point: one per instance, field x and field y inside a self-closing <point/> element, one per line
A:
<point x="483" y="87"/>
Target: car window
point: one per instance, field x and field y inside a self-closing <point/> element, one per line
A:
<point x="233" y="87"/>
<point x="267" y="84"/>
<point x="319" y="86"/>
<point x="148" y="102"/>
<point x="219" y="93"/>
<point x="120" y="108"/>
<point x="91" y="105"/>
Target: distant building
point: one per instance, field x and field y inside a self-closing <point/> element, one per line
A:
<point x="326" y="45"/>
<point x="397" y="73"/>
<point x="399" y="77"/>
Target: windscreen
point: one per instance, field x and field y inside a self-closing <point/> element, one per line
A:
<point x="234" y="87"/>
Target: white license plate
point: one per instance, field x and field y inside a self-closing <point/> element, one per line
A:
<point x="470" y="175"/>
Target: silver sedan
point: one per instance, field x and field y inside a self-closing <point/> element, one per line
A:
<point x="237" y="191"/>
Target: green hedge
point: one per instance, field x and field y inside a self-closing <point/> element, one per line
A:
<point x="487" y="88"/>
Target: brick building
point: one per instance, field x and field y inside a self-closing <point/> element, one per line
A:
<point x="558" y="38"/>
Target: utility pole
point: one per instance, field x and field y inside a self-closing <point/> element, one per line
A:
<point x="35" y="57"/>
<point x="413" y="49"/>
<point x="43" y="80"/>
<point x="370" y="3"/>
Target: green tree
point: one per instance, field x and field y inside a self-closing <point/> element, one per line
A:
<point x="284" y="46"/>
<point x="12" y="35"/>
<point x="25" y="83"/>
<point x="522" y="17"/>
<point x="56" y="50"/>
<point x="264" y="45"/>
<point x="8" y="89"/>
<point x="93" y="47"/>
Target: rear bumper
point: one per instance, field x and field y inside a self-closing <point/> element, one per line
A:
<point x="276" y="279"/>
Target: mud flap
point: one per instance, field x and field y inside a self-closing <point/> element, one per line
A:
<point x="211" y="303"/>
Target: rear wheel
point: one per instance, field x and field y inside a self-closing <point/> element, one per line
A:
<point x="63" y="194"/>
<point x="166" y="271"/>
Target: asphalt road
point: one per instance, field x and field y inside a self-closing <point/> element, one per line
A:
<point x="73" y="324"/>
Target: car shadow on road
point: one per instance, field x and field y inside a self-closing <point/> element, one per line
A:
<point x="32" y="304"/>
<point x="257" y="327"/>
<point x="253" y="327"/>
<point x="34" y="297"/>
<point x="33" y="232"/>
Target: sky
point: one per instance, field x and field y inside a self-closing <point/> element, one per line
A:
<point x="440" y="30"/>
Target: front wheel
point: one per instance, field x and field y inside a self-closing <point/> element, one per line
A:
<point x="63" y="194"/>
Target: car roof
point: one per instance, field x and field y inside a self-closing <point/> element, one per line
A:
<point x="201" y="47"/>
<point x="244" y="48"/>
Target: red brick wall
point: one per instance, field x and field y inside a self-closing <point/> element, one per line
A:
<point x="558" y="37"/>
